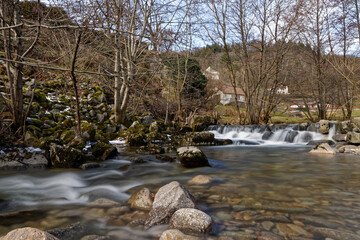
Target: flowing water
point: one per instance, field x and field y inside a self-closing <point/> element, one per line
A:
<point x="276" y="190"/>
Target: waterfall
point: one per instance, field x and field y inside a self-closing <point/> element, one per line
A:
<point x="272" y="134"/>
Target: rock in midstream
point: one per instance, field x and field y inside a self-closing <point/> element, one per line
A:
<point x="142" y="200"/>
<point x="190" y="220"/>
<point x="169" y="199"/>
<point x="174" y="234"/>
<point x="28" y="234"/>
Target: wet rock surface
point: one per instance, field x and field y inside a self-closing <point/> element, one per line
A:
<point x="169" y="199"/>
<point x="142" y="199"/>
<point x="191" y="157"/>
<point x="28" y="234"/>
<point x="323" y="148"/>
<point x="190" y="220"/>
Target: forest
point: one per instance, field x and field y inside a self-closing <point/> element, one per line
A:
<point x="150" y="56"/>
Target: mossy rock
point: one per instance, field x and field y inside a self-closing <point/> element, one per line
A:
<point x="197" y="138"/>
<point x="49" y="131"/>
<point x="67" y="136"/>
<point x="33" y="129"/>
<point x="99" y="136"/>
<point x="78" y="143"/>
<point x="39" y="96"/>
<point x="200" y="122"/>
<point x="110" y="136"/>
<point x="89" y="131"/>
<point x="68" y="123"/>
<point x="103" y="151"/>
<point x="156" y="137"/>
<point x="36" y="122"/>
<point x="66" y="157"/>
<point x="136" y="139"/>
<point x="136" y="135"/>
<point x="31" y="140"/>
<point x="46" y="142"/>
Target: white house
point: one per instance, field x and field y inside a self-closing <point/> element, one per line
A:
<point x="227" y="95"/>
<point x="282" y="89"/>
<point x="210" y="73"/>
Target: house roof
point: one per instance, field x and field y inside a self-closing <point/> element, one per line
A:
<point x="230" y="90"/>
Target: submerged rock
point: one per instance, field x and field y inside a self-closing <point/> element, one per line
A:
<point x="174" y="234"/>
<point x="190" y="220"/>
<point x="169" y="199"/>
<point x="291" y="230"/>
<point x="70" y="232"/>
<point x="323" y="148"/>
<point x="28" y="233"/>
<point x="191" y="157"/>
<point x="201" y="179"/>
<point x="334" y="234"/>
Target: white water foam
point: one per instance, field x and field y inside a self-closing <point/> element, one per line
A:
<point x="257" y="135"/>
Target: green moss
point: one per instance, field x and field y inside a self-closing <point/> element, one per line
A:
<point x="89" y="131"/>
<point x="67" y="136"/>
<point x="68" y="123"/>
<point x="78" y="143"/>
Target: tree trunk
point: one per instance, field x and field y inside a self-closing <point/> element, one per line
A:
<point x="73" y="77"/>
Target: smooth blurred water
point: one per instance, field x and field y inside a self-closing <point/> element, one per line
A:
<point x="286" y="176"/>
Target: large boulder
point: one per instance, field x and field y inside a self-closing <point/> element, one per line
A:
<point x="348" y="149"/>
<point x="31" y="140"/>
<point x="169" y="199"/>
<point x="323" y="148"/>
<point x="28" y="234"/>
<point x="136" y="135"/>
<point x="199" y="138"/>
<point x="324" y="126"/>
<point x="65" y="157"/>
<point x="339" y="137"/>
<point x="191" y="157"/>
<point x="22" y="161"/>
<point x="344" y="127"/>
<point x="141" y="200"/>
<point x="353" y="138"/>
<point x="190" y="220"/>
<point x="355" y="124"/>
<point x="36" y="160"/>
<point x="103" y="151"/>
<point x="174" y="234"/>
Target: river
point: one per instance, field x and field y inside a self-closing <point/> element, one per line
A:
<point x="257" y="190"/>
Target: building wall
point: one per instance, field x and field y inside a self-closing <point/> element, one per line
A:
<point x="229" y="98"/>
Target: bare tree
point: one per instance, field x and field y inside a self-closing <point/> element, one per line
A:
<point x="12" y="37"/>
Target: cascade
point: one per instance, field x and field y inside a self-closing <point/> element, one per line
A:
<point x="272" y="134"/>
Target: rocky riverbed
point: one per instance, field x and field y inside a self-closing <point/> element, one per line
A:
<point x="249" y="192"/>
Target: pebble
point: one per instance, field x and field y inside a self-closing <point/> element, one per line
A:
<point x="267" y="225"/>
<point x="224" y="215"/>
